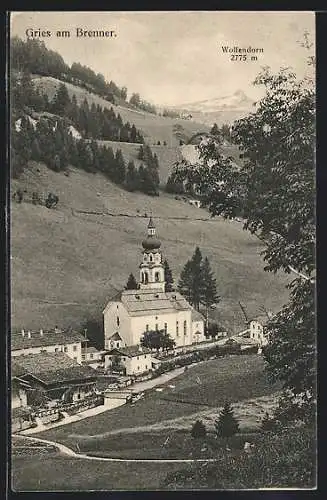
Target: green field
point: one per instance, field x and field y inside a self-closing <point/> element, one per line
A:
<point x="66" y="265"/>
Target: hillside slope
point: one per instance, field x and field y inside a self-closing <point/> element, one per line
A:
<point x="66" y="265"/>
<point x="154" y="127"/>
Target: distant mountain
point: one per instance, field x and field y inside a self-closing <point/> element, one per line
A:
<point x="221" y="110"/>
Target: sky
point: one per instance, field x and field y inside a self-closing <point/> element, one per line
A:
<point x="172" y="58"/>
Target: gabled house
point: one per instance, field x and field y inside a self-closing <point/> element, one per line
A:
<point x="257" y="329"/>
<point x="132" y="360"/>
<point x="54" y="376"/>
<point x="68" y="342"/>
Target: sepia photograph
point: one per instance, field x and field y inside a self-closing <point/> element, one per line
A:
<point x="162" y="251"/>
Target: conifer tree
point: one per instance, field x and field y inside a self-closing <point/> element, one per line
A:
<point x="131" y="181"/>
<point x="140" y="154"/>
<point x="169" y="280"/>
<point x="61" y="102"/>
<point x="185" y="284"/>
<point x="191" y="280"/>
<point x="226" y="425"/>
<point x="119" y="172"/>
<point x="214" y="130"/>
<point x="209" y="294"/>
<point x="131" y="283"/>
<point x="198" y="430"/>
<point x="197" y="278"/>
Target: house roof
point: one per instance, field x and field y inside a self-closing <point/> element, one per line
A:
<point x="51" y="367"/>
<point x="115" y="336"/>
<point x="92" y="349"/>
<point x="130" y="351"/>
<point x="146" y="302"/>
<point x="48" y="338"/>
<point x="197" y="316"/>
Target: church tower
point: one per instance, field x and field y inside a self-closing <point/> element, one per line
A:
<point x="152" y="275"/>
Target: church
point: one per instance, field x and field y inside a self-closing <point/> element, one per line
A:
<point x="133" y="312"/>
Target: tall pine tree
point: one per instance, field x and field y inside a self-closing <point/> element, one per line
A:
<point x="169" y="280"/>
<point x="131" y="180"/>
<point x="209" y="295"/>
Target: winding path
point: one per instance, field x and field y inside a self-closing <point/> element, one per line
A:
<point x="71" y="453"/>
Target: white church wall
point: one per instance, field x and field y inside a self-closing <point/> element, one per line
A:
<point x="116" y="319"/>
<point x="139" y="324"/>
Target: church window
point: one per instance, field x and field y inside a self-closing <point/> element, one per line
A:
<point x="118" y="321"/>
<point x="156" y="327"/>
<point x="151" y="257"/>
<point x="146" y="328"/>
<point x="137" y="358"/>
<point x="185" y="328"/>
<point x="165" y="327"/>
<point x="146" y="278"/>
<point x="138" y="368"/>
<point x="176" y="328"/>
<point x="157" y="277"/>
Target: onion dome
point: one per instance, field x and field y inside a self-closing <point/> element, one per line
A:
<point x="151" y="243"/>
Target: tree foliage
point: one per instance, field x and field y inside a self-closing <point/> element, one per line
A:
<point x="226" y="425"/>
<point x="197" y="282"/>
<point x="131" y="283"/>
<point x="198" y="430"/>
<point x="274" y="192"/>
<point x="169" y="280"/>
<point x="157" y="339"/>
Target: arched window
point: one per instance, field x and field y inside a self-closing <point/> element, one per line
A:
<point x="176" y="328"/>
<point x="157" y="276"/>
<point x="146" y="278"/>
<point x="151" y="257"/>
<point x="185" y="328"/>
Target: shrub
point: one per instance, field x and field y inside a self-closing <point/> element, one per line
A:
<point x="198" y="430"/>
<point x="268" y="423"/>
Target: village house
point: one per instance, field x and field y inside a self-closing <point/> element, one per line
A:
<point x="35" y="342"/>
<point x="132" y="360"/>
<point x="92" y="356"/>
<point x="54" y="376"/>
<point x="133" y="312"/>
<point x="257" y="330"/>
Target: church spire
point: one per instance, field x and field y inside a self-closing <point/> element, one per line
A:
<point x="152" y="275"/>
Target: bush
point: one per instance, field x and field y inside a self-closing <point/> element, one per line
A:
<point x="198" y="430"/>
<point x="226" y="425"/>
<point x="268" y="423"/>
